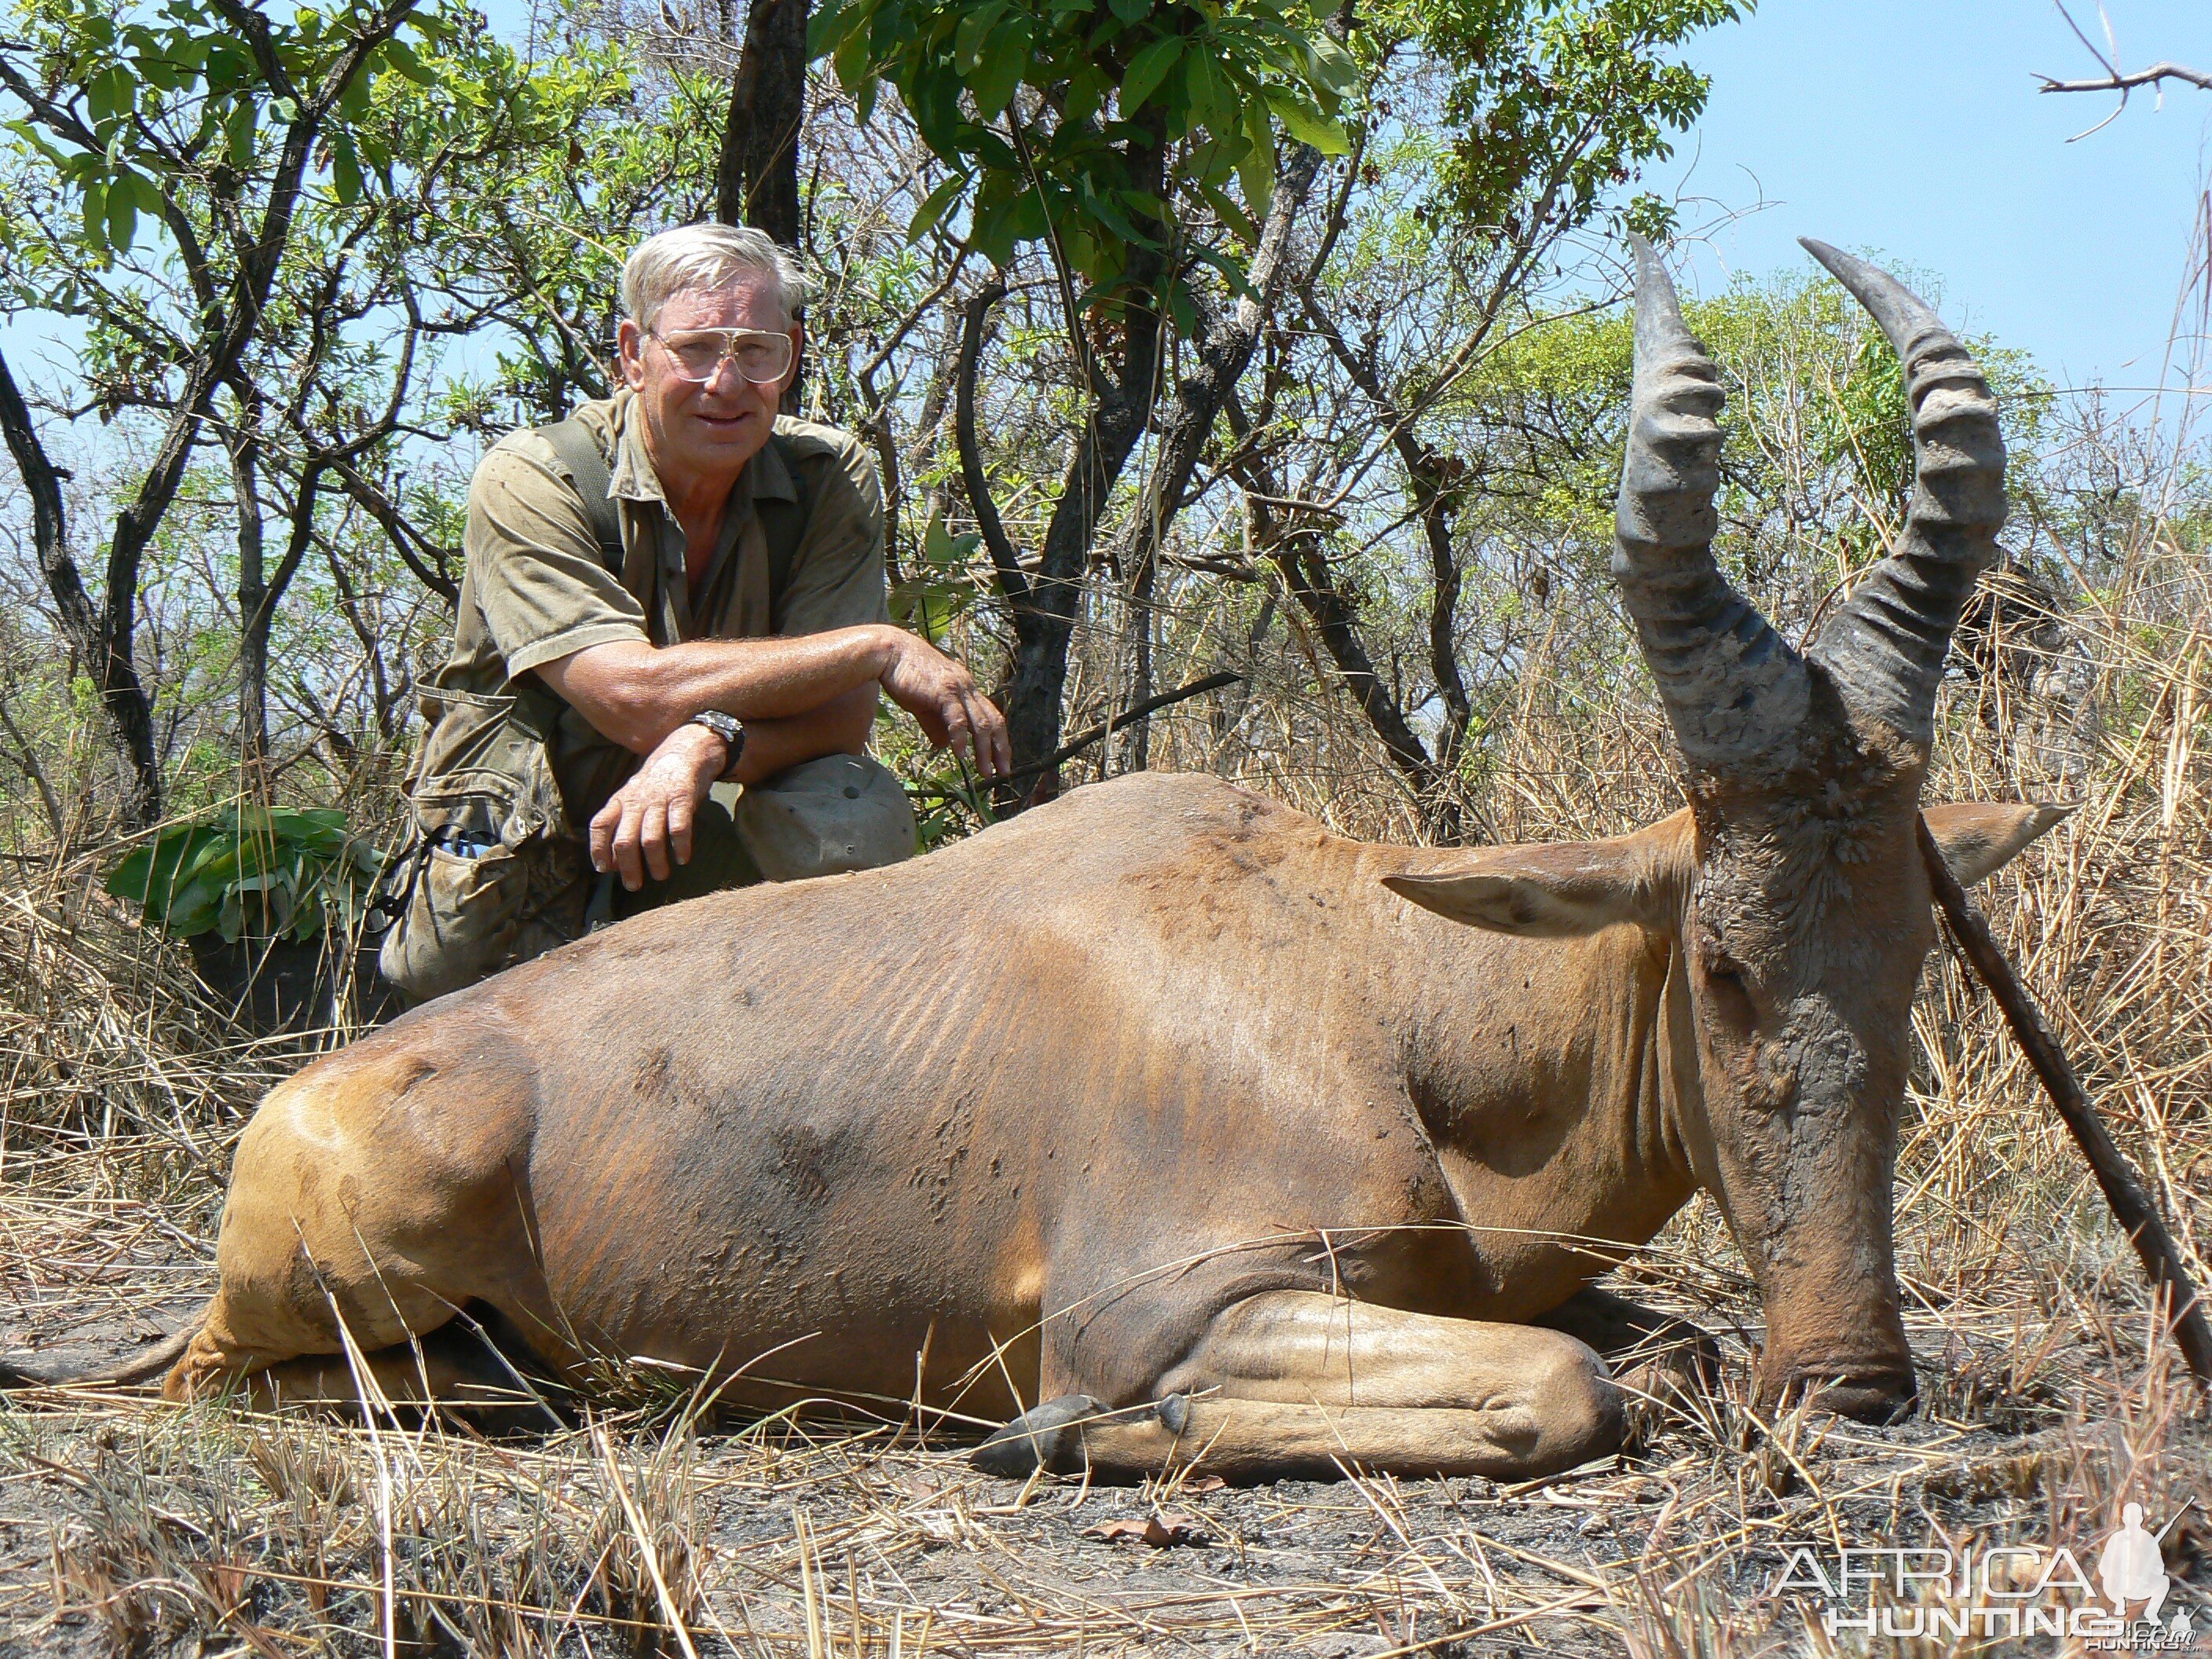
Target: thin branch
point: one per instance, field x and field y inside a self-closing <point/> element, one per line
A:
<point x="2125" y="82"/>
<point x="1083" y="740"/>
<point x="1013" y="581"/>
<point x="2132" y="1204"/>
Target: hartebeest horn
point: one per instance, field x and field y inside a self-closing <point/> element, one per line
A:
<point x="1733" y="687"/>
<point x="1884" y="648"/>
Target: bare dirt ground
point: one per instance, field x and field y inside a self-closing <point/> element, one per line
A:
<point x="129" y="1527"/>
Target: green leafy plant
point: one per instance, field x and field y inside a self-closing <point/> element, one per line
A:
<point x="252" y="871"/>
<point x="1113" y="84"/>
<point x="928" y="600"/>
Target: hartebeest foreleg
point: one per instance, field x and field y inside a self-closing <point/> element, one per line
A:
<point x="1653" y="1357"/>
<point x="1297" y="1384"/>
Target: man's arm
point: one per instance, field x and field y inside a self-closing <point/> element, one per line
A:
<point x="646" y="824"/>
<point x="637" y="694"/>
<point x="624" y="691"/>
<point x="839" y="726"/>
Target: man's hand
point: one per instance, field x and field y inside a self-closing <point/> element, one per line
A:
<point x="944" y="696"/>
<point x="650" y="816"/>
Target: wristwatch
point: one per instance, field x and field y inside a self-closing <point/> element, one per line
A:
<point x="729" y="729"/>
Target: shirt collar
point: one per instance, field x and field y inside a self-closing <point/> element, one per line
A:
<point x="632" y="477"/>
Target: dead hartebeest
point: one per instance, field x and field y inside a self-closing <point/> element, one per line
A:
<point x="1213" y="1132"/>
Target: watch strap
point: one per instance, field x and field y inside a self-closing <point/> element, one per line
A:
<point x="729" y="729"/>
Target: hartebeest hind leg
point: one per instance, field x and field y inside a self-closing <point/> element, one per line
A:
<point x="1293" y="1384"/>
<point x="380" y="1191"/>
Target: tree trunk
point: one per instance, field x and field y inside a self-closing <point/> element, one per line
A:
<point x="102" y="645"/>
<point x="1300" y="552"/>
<point x="1045" y="625"/>
<point x="756" y="179"/>
<point x="254" y="613"/>
<point x="1137" y="736"/>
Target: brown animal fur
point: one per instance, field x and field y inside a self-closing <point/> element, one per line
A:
<point x="1156" y="1091"/>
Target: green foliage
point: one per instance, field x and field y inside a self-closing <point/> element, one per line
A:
<point x="1130" y="101"/>
<point x="251" y="871"/>
<point x="139" y="102"/>
<point x="1555" y="104"/>
<point x="928" y="602"/>
<point x="948" y="808"/>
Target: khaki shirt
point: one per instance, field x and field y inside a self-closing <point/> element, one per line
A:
<point x="535" y="589"/>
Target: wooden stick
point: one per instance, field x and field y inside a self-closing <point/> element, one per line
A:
<point x="2123" y="1190"/>
<point x="1076" y="745"/>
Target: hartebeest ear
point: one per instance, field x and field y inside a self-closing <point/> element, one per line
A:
<point x="1553" y="891"/>
<point x="1979" y="838"/>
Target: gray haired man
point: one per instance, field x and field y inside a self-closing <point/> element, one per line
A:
<point x="674" y="587"/>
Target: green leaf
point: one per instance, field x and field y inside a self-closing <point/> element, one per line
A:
<point x="151" y="875"/>
<point x="345" y="170"/>
<point x="825" y="29"/>
<point x="239" y="129"/>
<point x="95" y="215"/>
<point x="319" y="827"/>
<point x="1109" y="213"/>
<point x="110" y="95"/>
<point x="1001" y="70"/>
<point x="942" y="549"/>
<point x="1308" y="124"/>
<point x="1255" y="166"/>
<point x="989" y="226"/>
<point x="185" y="920"/>
<point x="1333" y="66"/>
<point x="851" y="60"/>
<point x="1087" y="91"/>
<point x="1147" y="69"/>
<point x="1129" y="12"/>
<point x="129" y="195"/>
<point x="1210" y="98"/>
<point x="398" y="55"/>
<point x="934" y="206"/>
<point x="122" y="220"/>
<point x="1231" y="215"/>
<point x="970" y="40"/>
<point x="1232" y="273"/>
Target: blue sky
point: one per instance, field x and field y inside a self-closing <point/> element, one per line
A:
<point x="1914" y="126"/>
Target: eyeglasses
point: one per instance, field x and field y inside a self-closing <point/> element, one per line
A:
<point x="762" y="357"/>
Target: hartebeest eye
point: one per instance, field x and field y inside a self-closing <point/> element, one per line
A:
<point x="1723" y="978"/>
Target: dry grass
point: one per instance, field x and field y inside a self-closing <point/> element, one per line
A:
<point x="2049" y="1401"/>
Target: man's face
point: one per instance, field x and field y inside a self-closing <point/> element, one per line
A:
<point x="703" y="432"/>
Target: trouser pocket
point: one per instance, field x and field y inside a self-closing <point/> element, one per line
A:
<point x="479" y="904"/>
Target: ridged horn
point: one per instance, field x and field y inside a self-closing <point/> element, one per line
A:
<point x="1884" y="648"/>
<point x="1732" y="686"/>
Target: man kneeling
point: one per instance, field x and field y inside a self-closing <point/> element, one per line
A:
<point x="673" y="589"/>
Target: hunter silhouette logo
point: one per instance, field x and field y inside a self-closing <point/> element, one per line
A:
<point x="2133" y="1567"/>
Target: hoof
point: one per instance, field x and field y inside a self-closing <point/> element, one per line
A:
<point x="1045" y="1437"/>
